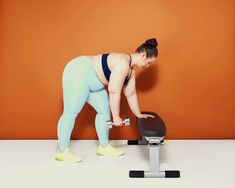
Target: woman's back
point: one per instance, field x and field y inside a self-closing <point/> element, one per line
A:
<point x="112" y="60"/>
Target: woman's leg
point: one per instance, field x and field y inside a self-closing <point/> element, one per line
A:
<point x="100" y="102"/>
<point x="75" y="94"/>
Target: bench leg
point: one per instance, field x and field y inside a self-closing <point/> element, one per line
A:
<point x="154" y="165"/>
<point x="138" y="142"/>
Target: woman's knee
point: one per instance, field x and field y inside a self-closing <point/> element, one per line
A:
<point x="69" y="116"/>
<point x="103" y="116"/>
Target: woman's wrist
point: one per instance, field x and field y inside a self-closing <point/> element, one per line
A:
<point x="139" y="115"/>
<point x="116" y="117"/>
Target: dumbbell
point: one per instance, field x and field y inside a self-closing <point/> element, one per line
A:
<point x="126" y="121"/>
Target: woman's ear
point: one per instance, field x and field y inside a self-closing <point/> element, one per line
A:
<point x="143" y="55"/>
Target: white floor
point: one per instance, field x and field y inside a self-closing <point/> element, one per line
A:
<point x="31" y="164"/>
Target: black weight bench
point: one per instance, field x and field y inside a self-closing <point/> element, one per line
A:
<point x="153" y="131"/>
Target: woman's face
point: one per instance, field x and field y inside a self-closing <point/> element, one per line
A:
<point x="145" y="62"/>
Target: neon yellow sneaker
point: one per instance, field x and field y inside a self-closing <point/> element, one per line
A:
<point x="108" y="150"/>
<point x="67" y="156"/>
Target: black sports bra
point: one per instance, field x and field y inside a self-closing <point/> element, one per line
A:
<point x="107" y="71"/>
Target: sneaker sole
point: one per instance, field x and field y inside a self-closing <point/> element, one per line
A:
<point x="100" y="154"/>
<point x="58" y="159"/>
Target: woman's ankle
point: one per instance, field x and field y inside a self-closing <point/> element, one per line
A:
<point x="61" y="150"/>
<point x="104" y="145"/>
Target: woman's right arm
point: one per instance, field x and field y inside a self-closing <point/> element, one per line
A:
<point x="117" y="78"/>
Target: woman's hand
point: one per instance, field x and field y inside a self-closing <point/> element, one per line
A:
<point x="117" y="121"/>
<point x="145" y="116"/>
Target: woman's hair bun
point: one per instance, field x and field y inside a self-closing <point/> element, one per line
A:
<point x="152" y="42"/>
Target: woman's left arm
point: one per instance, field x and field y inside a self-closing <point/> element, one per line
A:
<point x="130" y="92"/>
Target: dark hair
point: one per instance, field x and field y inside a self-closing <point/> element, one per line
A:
<point x="149" y="47"/>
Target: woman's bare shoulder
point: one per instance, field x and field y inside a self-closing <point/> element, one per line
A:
<point x="120" y="59"/>
<point x="119" y="55"/>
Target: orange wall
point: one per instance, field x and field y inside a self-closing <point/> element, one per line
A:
<point x="191" y="85"/>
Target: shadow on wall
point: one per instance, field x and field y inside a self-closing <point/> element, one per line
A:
<point x="147" y="78"/>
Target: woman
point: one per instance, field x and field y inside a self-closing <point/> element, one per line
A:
<point x="84" y="80"/>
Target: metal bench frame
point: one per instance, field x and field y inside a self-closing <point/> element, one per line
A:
<point x="154" y="164"/>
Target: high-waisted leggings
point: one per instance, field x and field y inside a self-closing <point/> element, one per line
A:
<point x="80" y="85"/>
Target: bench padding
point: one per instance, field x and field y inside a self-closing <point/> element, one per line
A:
<point x="151" y="127"/>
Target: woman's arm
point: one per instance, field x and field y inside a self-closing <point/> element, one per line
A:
<point x="116" y="81"/>
<point x="130" y="92"/>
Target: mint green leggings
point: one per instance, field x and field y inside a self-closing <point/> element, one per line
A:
<point x="80" y="85"/>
